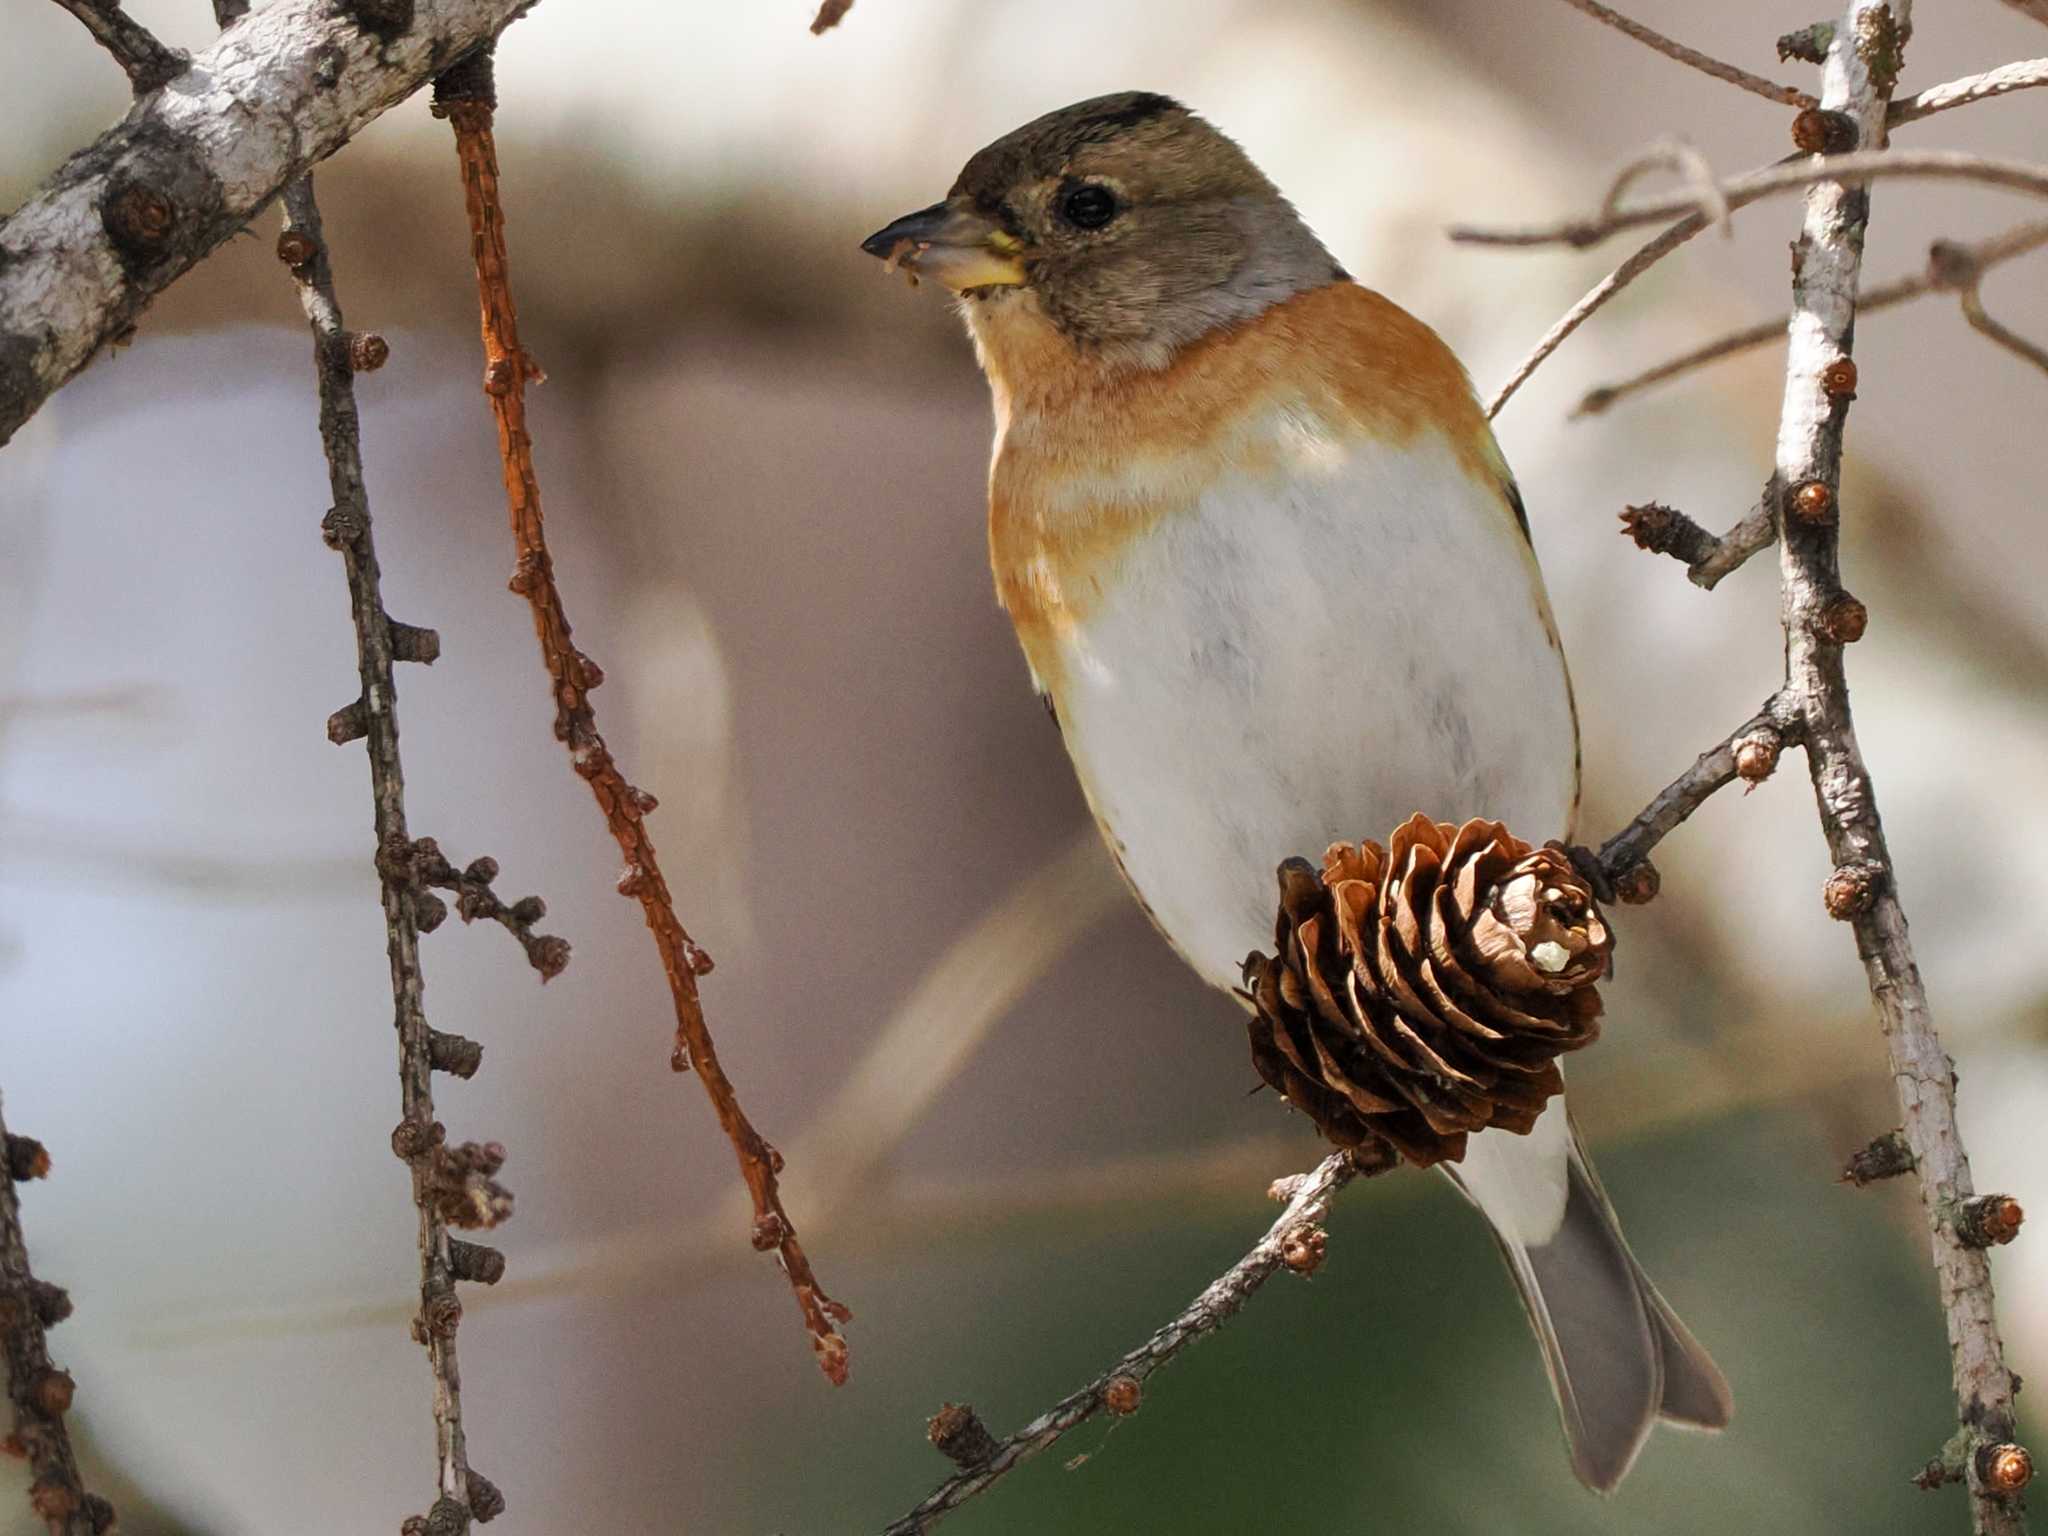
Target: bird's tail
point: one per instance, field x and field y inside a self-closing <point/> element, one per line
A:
<point x="1618" y="1357"/>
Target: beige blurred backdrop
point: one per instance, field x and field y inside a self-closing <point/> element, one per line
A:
<point x="1019" y="1136"/>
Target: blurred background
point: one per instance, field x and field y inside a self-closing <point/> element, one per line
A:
<point x="1019" y="1136"/>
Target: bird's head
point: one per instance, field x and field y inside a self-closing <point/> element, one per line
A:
<point x="1127" y="224"/>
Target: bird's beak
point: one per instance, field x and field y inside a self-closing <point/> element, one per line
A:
<point x="959" y="247"/>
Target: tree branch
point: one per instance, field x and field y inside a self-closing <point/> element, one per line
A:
<point x="1950" y="265"/>
<point x="1756" y="85"/>
<point x="2023" y="74"/>
<point x="466" y="96"/>
<point x="450" y="1186"/>
<point x="1595" y="299"/>
<point x="1749" y="752"/>
<point x="39" y="1393"/>
<point x="1853" y="169"/>
<point x="2017" y="241"/>
<point x="1861" y="63"/>
<point x="146" y="62"/>
<point x="1287" y="1243"/>
<point x="186" y="169"/>
<point x="2038" y="9"/>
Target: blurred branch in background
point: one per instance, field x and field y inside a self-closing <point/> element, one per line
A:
<point x="1756" y="85"/>
<point x="39" y="1393"/>
<point x="1948" y="262"/>
<point x="1861" y="60"/>
<point x="129" y="215"/>
<point x="1940" y="98"/>
<point x="466" y="95"/>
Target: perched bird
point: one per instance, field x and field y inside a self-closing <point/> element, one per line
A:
<point x="1273" y="578"/>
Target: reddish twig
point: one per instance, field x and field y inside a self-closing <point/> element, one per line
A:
<point x="39" y="1393"/>
<point x="465" y="96"/>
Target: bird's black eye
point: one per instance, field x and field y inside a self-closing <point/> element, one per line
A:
<point x="1088" y="206"/>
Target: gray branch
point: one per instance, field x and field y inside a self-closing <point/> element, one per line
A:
<point x="1861" y="63"/>
<point x="191" y="164"/>
<point x="1287" y="1243"/>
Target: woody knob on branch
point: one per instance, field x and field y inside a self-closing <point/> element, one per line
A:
<point x="1424" y="991"/>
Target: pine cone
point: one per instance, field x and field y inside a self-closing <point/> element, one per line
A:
<point x="1425" y="991"/>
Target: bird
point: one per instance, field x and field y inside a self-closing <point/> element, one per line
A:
<point x="1272" y="577"/>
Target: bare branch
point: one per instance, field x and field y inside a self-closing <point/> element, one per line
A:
<point x="1950" y="265"/>
<point x="1861" y="64"/>
<point x="1596" y="297"/>
<point x="2038" y="9"/>
<point x="1715" y="769"/>
<point x="1853" y="169"/>
<point x="1756" y="85"/>
<point x="1666" y="531"/>
<point x="1118" y="1389"/>
<point x="146" y="62"/>
<point x="466" y="95"/>
<point x="38" y="1392"/>
<point x="2018" y="76"/>
<point x="122" y="220"/>
<point x="2018" y="241"/>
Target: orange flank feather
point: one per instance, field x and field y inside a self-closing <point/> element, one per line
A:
<point x="1089" y="456"/>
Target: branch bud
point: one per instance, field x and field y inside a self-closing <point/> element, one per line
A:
<point x="1818" y="131"/>
<point x="1843" y="621"/>
<point x="1989" y="1221"/>
<point x="960" y="1436"/>
<point x="1305" y="1249"/>
<point x="1851" y="890"/>
<point x="27" y="1159"/>
<point x="453" y="1054"/>
<point x="1122" y="1395"/>
<point x="1813" y="503"/>
<point x="1838" y="379"/>
<point x="478" y="1262"/>
<point x="295" y="249"/>
<point x="2004" y="1468"/>
<point x="486" y="1503"/>
<point x="1638" y="884"/>
<point x="1886" y="1157"/>
<point x="367" y="351"/>
<point x="1756" y="755"/>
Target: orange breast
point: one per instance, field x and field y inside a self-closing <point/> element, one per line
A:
<point x="1089" y="458"/>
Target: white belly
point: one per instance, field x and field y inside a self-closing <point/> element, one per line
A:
<point x="1303" y="659"/>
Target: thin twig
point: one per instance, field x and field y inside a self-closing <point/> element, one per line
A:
<point x="1863" y="891"/>
<point x="1308" y="1202"/>
<point x="2038" y="9"/>
<point x="1596" y="298"/>
<point x="1853" y="169"/>
<point x="418" y="1139"/>
<point x="830" y="14"/>
<point x="1715" y="769"/>
<point x="2022" y="74"/>
<point x="1666" y="531"/>
<point x="448" y="1185"/>
<point x="465" y="95"/>
<point x="1756" y="85"/>
<point x="37" y="1391"/>
<point x="1950" y="265"/>
<point x="146" y="62"/>
<point x="2017" y="241"/>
